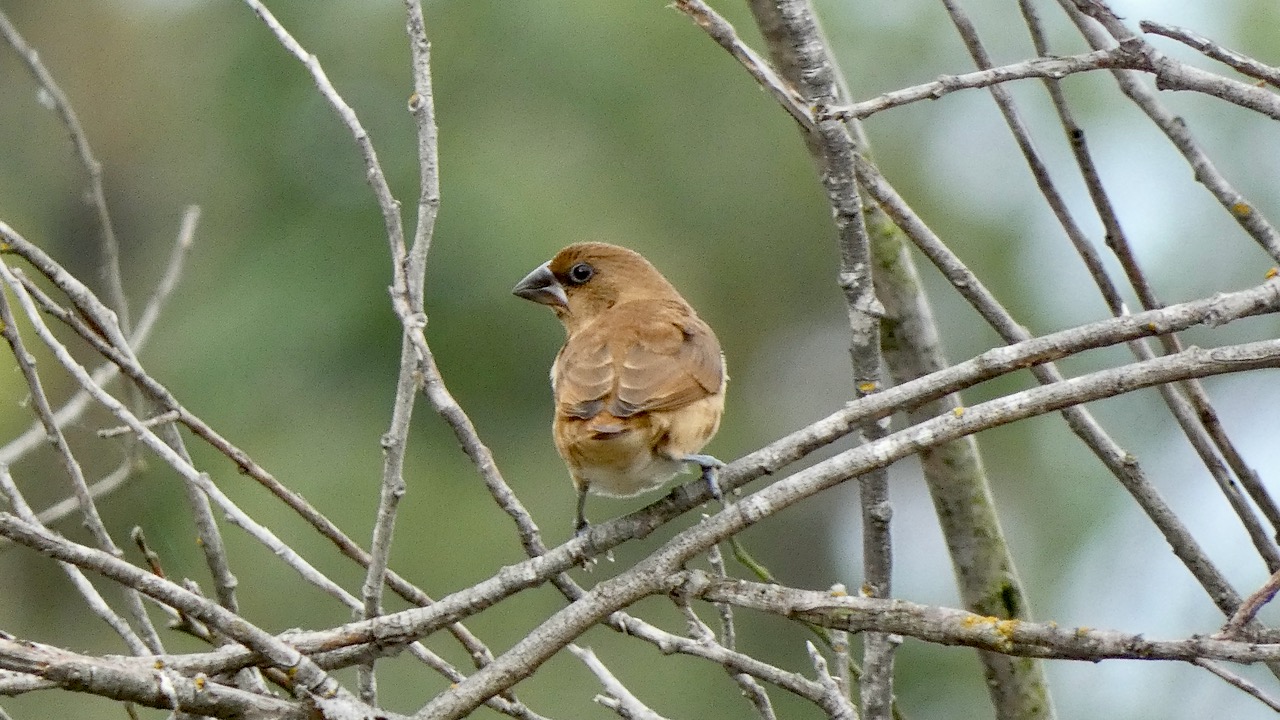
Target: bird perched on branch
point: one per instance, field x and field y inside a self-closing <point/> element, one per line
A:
<point x="639" y="384"/>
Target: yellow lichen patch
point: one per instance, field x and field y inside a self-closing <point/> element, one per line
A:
<point x="1082" y="631"/>
<point x="5" y="246"/>
<point x="1272" y="273"/>
<point x="200" y="680"/>
<point x="1004" y="630"/>
<point x="973" y="621"/>
<point x="839" y="592"/>
<point x="1007" y="628"/>
<point x="159" y="665"/>
<point x="958" y="412"/>
<point x="867" y="388"/>
<point x="1241" y="209"/>
<point x="1152" y="327"/>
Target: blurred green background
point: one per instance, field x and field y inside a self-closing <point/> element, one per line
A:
<point x="620" y="121"/>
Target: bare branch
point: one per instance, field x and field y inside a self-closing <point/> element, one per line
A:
<point x="1121" y="464"/>
<point x="723" y="33"/>
<point x="1191" y="407"/>
<point x="373" y="169"/>
<point x="75" y="407"/>
<point x="949" y="626"/>
<point x="1042" y="67"/>
<point x="305" y="672"/>
<point x="134" y="680"/>
<point x="839" y="706"/>
<point x="647" y="577"/>
<point x="1211" y="49"/>
<point x="1244" y="212"/>
<point x="97" y="604"/>
<point x="1240" y="682"/>
<point x="162" y="449"/>
<point x="1251" y="606"/>
<point x="79" y="486"/>
<point x="618" y="698"/>
<point x="833" y="147"/>
<point x="57" y="100"/>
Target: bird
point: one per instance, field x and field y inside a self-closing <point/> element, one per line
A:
<point x="639" y="384"/>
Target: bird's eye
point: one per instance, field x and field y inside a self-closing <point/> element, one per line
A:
<point x="581" y="273"/>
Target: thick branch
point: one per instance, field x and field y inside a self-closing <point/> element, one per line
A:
<point x="947" y="626"/>
<point x="139" y="681"/>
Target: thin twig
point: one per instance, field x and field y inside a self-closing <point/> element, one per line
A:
<point x="151" y="422"/>
<point x="839" y="707"/>
<point x="723" y="33"/>
<point x="373" y="169"/>
<point x="58" y="102"/>
<point x="10" y="241"/>
<point x="1122" y="464"/>
<point x="406" y="266"/>
<point x="1240" y="682"/>
<point x="75" y="473"/>
<point x="277" y="653"/>
<point x="619" y="699"/>
<point x="833" y="148"/>
<point x="1245" y="213"/>
<point x="97" y="604"/>
<point x="1041" y="67"/>
<point x="407" y="298"/>
<point x="751" y="689"/>
<point x="1251" y="606"/>
<point x="74" y="408"/>
<point x="1178" y="405"/>
<point x="1211" y="49"/>
<point x="189" y="473"/>
<point x="1188" y="402"/>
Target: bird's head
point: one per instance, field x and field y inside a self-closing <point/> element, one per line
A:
<point x="586" y="279"/>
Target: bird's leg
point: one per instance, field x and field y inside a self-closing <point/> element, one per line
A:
<point x="580" y="523"/>
<point x="710" y="466"/>
<point x="581" y="526"/>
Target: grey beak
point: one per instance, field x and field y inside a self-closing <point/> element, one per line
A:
<point x="541" y="287"/>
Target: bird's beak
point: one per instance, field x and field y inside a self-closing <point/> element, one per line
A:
<point x="542" y="287"/>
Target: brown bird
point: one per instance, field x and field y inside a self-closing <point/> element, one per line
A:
<point x="639" y="384"/>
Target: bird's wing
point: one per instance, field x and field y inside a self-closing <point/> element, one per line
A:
<point x="643" y="357"/>
<point x="582" y="377"/>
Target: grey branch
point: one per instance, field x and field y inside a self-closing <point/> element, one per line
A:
<point x="948" y="626"/>
<point x="648" y="576"/>
<point x="1049" y="67"/>
<point x="278" y="654"/>
<point x="1211" y="49"/>
<point x="60" y="104"/>
<point x="139" y="681"/>
<point x="618" y="697"/>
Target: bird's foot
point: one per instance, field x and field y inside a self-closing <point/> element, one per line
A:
<point x="710" y="468"/>
<point x="580" y="529"/>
